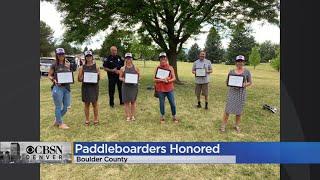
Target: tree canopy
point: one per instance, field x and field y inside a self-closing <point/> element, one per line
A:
<point x="170" y="23"/>
<point x="193" y="52"/>
<point x="254" y="57"/>
<point x="213" y="46"/>
<point x="267" y="51"/>
<point x="46" y="39"/>
<point x="241" y="43"/>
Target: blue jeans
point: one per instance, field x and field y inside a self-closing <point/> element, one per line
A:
<point x="170" y="96"/>
<point x="61" y="99"/>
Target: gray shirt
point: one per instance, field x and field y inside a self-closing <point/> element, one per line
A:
<point x="202" y="64"/>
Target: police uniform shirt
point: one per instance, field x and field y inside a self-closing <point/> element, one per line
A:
<point x="112" y="62"/>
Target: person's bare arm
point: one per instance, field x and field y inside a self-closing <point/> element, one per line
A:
<point x="80" y="74"/>
<point x="51" y="76"/>
<point x="121" y="74"/>
<point x="138" y="72"/>
<point x="173" y="76"/>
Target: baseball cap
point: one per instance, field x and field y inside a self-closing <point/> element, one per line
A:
<point x="163" y="54"/>
<point x="60" y="51"/>
<point x="128" y="55"/>
<point x="87" y="53"/>
<point x="240" y="58"/>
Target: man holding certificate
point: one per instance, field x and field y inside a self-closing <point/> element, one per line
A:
<point x="61" y="77"/>
<point x="129" y="75"/>
<point x="164" y="78"/>
<point x="238" y="79"/>
<point x="201" y="69"/>
<point x="89" y="75"/>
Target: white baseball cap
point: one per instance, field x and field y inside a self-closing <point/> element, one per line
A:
<point x="240" y="57"/>
<point x="60" y="51"/>
<point x="86" y="53"/>
<point x="128" y="55"/>
<point x="162" y="54"/>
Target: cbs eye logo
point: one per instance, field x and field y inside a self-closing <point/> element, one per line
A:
<point x="30" y="149"/>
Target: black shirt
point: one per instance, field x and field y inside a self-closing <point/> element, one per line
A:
<point x="112" y="62"/>
<point x="60" y="68"/>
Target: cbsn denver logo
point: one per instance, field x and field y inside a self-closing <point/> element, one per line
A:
<point x="44" y="152"/>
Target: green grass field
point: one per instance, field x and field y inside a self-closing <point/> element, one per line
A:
<point x="196" y="125"/>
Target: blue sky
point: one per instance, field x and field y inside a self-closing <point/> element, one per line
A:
<point x="49" y="14"/>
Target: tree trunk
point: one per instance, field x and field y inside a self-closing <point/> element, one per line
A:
<point x="172" y="56"/>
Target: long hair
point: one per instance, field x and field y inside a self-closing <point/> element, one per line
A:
<point x="57" y="60"/>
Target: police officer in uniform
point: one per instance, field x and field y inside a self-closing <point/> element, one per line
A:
<point x="112" y="65"/>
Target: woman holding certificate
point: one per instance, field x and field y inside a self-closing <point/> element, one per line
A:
<point x="61" y="76"/>
<point x="129" y="75"/>
<point x="164" y="78"/>
<point x="238" y="79"/>
<point x="89" y="75"/>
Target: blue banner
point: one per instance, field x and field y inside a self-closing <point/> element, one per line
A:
<point x="244" y="152"/>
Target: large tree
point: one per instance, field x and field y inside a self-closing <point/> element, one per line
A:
<point x="241" y="43"/>
<point x="46" y="39"/>
<point x="213" y="46"/>
<point x="193" y="52"/>
<point x="170" y="23"/>
<point x="267" y="51"/>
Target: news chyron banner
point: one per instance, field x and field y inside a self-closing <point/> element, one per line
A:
<point x="161" y="152"/>
<point x="35" y="152"/>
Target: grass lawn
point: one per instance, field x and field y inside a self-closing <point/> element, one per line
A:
<point x="196" y="125"/>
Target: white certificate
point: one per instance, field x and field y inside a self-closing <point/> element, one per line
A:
<point x="65" y="77"/>
<point x="131" y="78"/>
<point x="235" y="81"/>
<point x="90" y="77"/>
<point x="162" y="73"/>
<point x="201" y="72"/>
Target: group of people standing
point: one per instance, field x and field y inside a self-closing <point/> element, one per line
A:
<point x="117" y="69"/>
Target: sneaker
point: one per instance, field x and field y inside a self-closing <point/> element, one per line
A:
<point x="133" y="118"/>
<point x="63" y="126"/>
<point x="69" y="107"/>
<point x="128" y="119"/>
<point x="199" y="105"/>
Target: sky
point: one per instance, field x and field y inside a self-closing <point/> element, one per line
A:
<point x="50" y="15"/>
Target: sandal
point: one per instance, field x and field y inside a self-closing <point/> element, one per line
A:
<point x="133" y="118"/>
<point x="96" y="122"/>
<point x="55" y="123"/>
<point x="223" y="128"/>
<point x="87" y="123"/>
<point x="128" y="119"/>
<point x="237" y="128"/>
<point x="162" y="120"/>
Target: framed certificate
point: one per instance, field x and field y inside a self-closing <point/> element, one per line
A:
<point x="131" y="78"/>
<point x="162" y="73"/>
<point x="65" y="77"/>
<point x="90" y="77"/>
<point x="201" y="72"/>
<point x="235" y="81"/>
